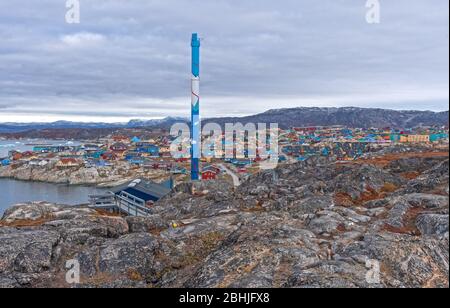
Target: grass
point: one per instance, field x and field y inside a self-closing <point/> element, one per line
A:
<point x="22" y="223"/>
<point x="410" y="175"/>
<point x="409" y="222"/>
<point x="201" y="248"/>
<point x="371" y="194"/>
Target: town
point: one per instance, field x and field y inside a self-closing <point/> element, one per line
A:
<point x="128" y="155"/>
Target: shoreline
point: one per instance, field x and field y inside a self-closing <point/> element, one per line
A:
<point x="87" y="184"/>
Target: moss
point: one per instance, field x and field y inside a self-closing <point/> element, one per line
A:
<point x="389" y="188"/>
<point x="134" y="275"/>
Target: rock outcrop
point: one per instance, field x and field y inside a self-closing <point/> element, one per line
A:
<point x="310" y="224"/>
<point x="108" y="176"/>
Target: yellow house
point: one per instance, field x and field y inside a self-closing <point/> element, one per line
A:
<point x="415" y="139"/>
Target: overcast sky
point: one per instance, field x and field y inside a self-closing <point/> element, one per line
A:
<point x="131" y="58"/>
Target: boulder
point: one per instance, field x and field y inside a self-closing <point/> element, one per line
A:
<point x="30" y="211"/>
<point x="432" y="224"/>
<point x="146" y="224"/>
<point x="132" y="255"/>
<point x="27" y="251"/>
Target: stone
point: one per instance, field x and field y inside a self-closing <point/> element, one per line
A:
<point x="30" y="211"/>
<point x="432" y="224"/>
<point x="146" y="224"/>
<point x="292" y="232"/>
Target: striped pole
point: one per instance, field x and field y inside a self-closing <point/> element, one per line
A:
<point x="195" y="115"/>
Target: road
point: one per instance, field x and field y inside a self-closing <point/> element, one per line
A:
<point x="236" y="181"/>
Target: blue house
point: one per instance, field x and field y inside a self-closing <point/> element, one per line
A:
<point x="135" y="140"/>
<point x="395" y="137"/>
<point x="241" y="162"/>
<point x="347" y="132"/>
<point x="148" y="148"/>
<point x="437" y="137"/>
<point x="326" y="152"/>
<point x="143" y="191"/>
<point x="94" y="154"/>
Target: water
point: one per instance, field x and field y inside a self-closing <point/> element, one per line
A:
<point x="13" y="192"/>
<point x="26" y="145"/>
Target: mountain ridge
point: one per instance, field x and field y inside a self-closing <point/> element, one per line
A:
<point x="354" y="117"/>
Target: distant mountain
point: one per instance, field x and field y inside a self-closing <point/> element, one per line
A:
<point x="165" y="123"/>
<point x="294" y="117"/>
<point x="349" y="117"/>
<point x="22" y="127"/>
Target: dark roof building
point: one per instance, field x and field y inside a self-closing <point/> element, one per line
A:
<point x="145" y="190"/>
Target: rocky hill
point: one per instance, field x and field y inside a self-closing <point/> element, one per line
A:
<point x="310" y="224"/>
<point x="286" y="118"/>
<point x="349" y="117"/>
<point x="84" y="128"/>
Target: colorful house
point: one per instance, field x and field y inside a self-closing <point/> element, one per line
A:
<point x="109" y="156"/>
<point x="415" y="138"/>
<point x="209" y="175"/>
<point x="68" y="163"/>
<point x="135" y="140"/>
<point x="395" y="137"/>
<point x="120" y="138"/>
<point x="438" y="137"/>
<point x="119" y="147"/>
<point x="147" y="148"/>
<point x="17" y="156"/>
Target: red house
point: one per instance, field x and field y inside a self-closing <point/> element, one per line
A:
<point x="109" y="156"/>
<point x="17" y="156"/>
<point x="210" y="172"/>
<point x="119" y="147"/>
<point x="209" y="175"/>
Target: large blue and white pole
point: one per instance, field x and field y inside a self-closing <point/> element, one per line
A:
<point x="195" y="115"/>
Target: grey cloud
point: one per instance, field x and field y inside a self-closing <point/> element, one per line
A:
<point x="137" y="52"/>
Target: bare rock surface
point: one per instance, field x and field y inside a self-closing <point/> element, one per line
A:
<point x="310" y="224"/>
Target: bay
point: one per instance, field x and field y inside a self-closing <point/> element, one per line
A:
<point x="13" y="192"/>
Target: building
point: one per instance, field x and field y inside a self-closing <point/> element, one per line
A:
<point x="415" y="139"/>
<point x="147" y="148"/>
<point x="119" y="147"/>
<point x="137" y="197"/>
<point x="438" y="137"/>
<point x="52" y="148"/>
<point x="120" y="138"/>
<point x="17" y="156"/>
<point x="68" y="163"/>
<point x="210" y="173"/>
<point x="135" y="139"/>
<point x="109" y="156"/>
<point x="38" y="162"/>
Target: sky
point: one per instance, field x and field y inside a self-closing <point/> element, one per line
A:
<point x="130" y="59"/>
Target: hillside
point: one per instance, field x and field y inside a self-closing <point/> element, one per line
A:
<point x="349" y="117"/>
<point x="286" y="118"/>
<point x="310" y="224"/>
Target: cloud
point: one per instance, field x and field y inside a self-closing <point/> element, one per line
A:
<point x="82" y="39"/>
<point x="130" y="59"/>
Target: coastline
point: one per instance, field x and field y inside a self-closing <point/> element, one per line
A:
<point x="88" y="185"/>
<point x="104" y="177"/>
<point x="191" y="238"/>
